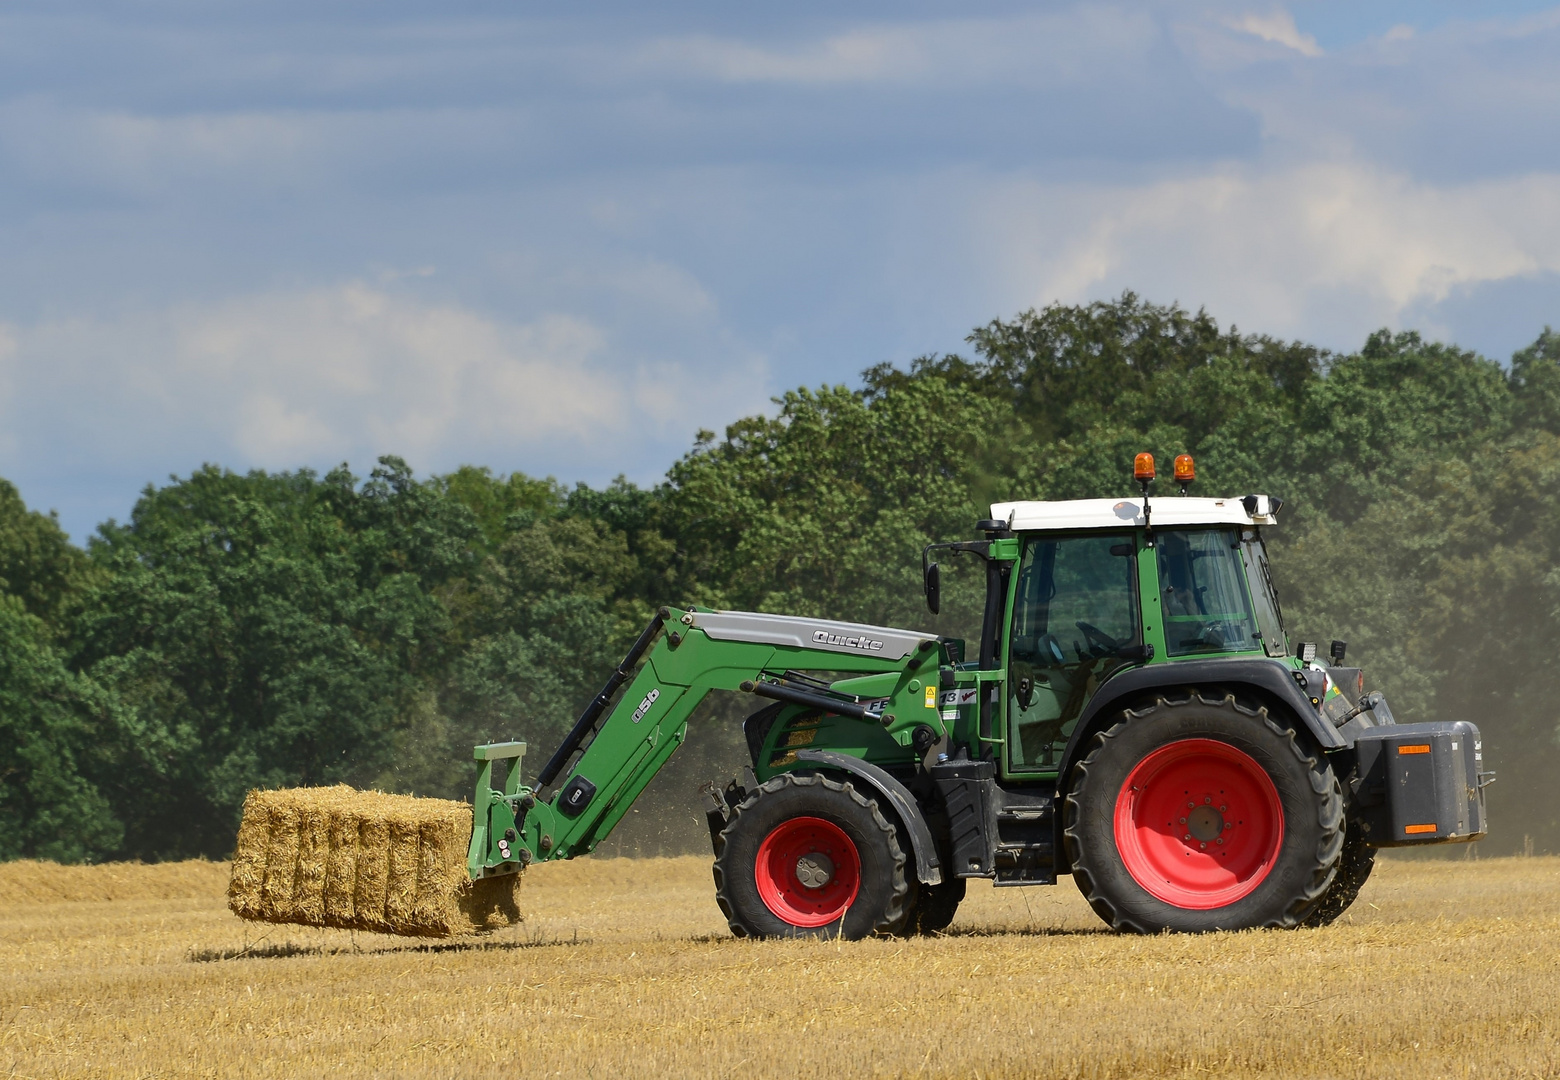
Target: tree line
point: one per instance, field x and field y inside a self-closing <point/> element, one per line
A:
<point x="274" y="629"/>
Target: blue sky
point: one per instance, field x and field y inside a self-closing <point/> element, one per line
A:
<point x="561" y="239"/>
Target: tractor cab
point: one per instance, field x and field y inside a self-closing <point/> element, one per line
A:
<point x="1093" y="590"/>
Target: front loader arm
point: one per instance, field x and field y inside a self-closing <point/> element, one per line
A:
<point x="615" y="750"/>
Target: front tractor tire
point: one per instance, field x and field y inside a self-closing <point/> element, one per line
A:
<point x="1201" y="814"/>
<point x="809" y="856"/>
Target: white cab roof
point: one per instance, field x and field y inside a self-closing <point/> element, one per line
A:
<point x="1165" y="511"/>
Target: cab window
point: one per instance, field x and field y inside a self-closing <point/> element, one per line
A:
<point x="1202" y="583"/>
<point x="1074" y="609"/>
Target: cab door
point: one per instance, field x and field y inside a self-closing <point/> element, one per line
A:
<point x="1075" y="608"/>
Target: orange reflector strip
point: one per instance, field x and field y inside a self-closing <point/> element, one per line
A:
<point x="1411" y="829"/>
<point x="1417" y="748"/>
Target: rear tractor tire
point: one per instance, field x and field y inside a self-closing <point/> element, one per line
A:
<point x="1354" y="867"/>
<point x="1202" y="814"/>
<point x="806" y="855"/>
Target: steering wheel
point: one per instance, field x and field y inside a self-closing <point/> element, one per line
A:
<point x="1051" y="650"/>
<point x="1097" y="638"/>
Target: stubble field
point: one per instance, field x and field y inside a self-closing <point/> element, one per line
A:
<point x="624" y="968"/>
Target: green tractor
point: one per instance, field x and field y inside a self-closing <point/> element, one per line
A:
<point x="1134" y="715"/>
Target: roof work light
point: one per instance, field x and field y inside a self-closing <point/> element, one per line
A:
<point x="1185" y="471"/>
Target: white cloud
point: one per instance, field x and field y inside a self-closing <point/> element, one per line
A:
<point x="352" y="371"/>
<point x="1278" y="26"/>
<point x="1049" y="48"/>
<point x="1320" y="251"/>
<point x="861" y="56"/>
<point x="318" y="372"/>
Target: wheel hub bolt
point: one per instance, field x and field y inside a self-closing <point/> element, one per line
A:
<point x="815" y="871"/>
<point x="1204" y="823"/>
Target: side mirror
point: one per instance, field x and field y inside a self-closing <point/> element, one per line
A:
<point x="933" y="588"/>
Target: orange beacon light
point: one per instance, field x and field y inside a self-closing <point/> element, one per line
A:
<point x="1143" y="473"/>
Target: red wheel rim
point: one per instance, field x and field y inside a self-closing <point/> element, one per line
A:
<point x="1199" y="824"/>
<point x="820" y="852"/>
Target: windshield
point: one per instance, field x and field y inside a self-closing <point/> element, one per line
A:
<point x="1202" y="582"/>
<point x="1270" y="617"/>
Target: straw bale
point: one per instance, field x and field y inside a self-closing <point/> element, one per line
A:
<point x="281" y="860"/>
<point x="363" y="860"/>
<point x="401" y="884"/>
<point x="341" y="867"/>
<point x="492" y="902"/>
<point x="309" y="879"/>
<point x="373" y="868"/>
<point x="248" y="875"/>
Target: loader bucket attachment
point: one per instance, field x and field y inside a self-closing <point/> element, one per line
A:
<point x="363" y="860"/>
<point x="493" y="820"/>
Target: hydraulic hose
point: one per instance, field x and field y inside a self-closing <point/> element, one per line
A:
<point x="781" y="692"/>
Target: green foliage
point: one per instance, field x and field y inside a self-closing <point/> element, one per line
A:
<point x="56" y="732"/>
<point x="1535" y="383"/>
<point x="541" y="625"/>
<point x="823" y="509"/>
<point x="273" y="629"/>
<point x="494" y="500"/>
<point x="38" y="564"/>
<point x="264" y="630"/>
